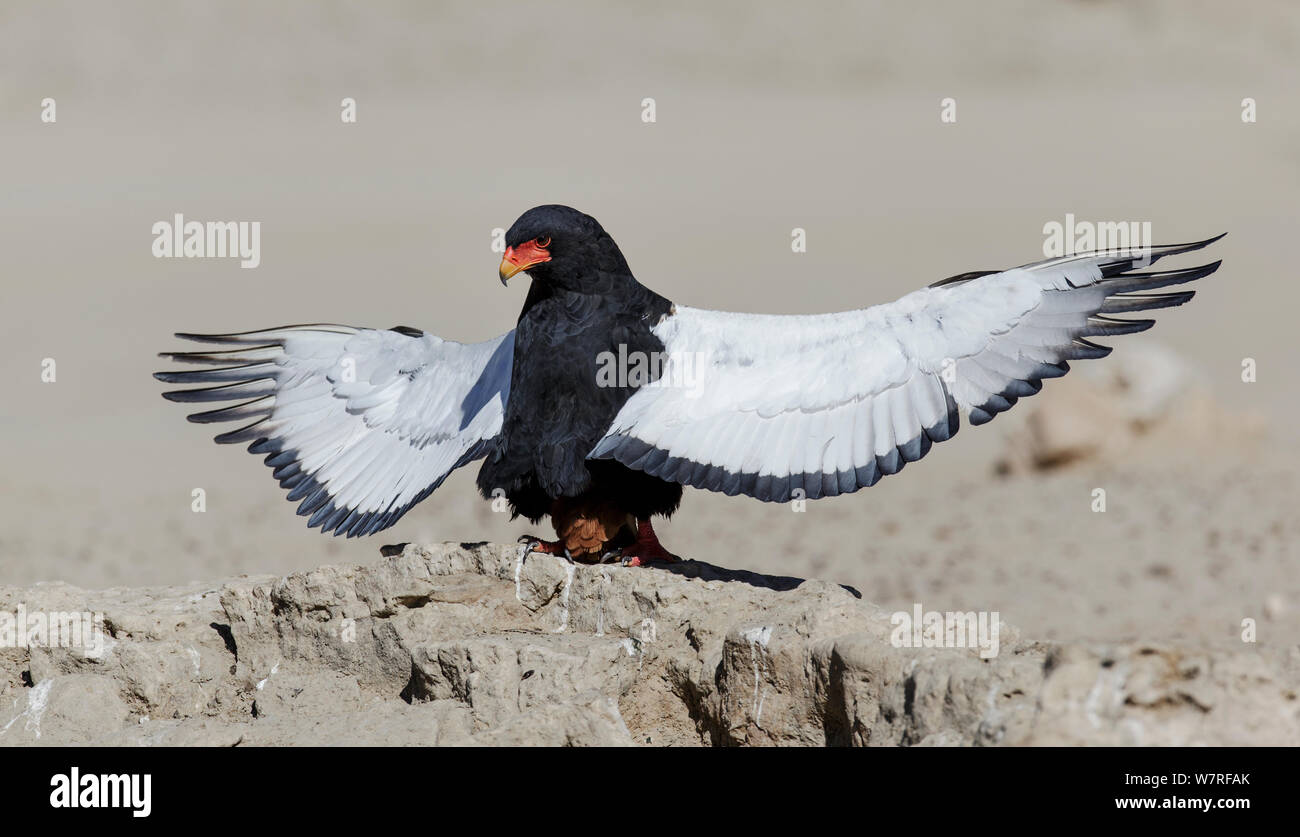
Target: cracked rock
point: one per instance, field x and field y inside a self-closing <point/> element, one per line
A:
<point x="479" y="644"/>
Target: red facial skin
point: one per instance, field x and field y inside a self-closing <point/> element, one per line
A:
<point x="523" y="257"/>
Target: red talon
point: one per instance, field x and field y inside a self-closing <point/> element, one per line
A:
<point x="647" y="547"/>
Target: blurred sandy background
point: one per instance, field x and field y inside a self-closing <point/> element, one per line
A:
<point x="769" y="118"/>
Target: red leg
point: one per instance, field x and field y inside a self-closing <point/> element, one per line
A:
<point x="647" y="547"/>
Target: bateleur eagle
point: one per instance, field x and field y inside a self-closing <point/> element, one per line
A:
<point x="361" y="424"/>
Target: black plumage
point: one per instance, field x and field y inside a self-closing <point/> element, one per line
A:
<point x="583" y="302"/>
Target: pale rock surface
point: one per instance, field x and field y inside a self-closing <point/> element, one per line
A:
<point x="453" y="644"/>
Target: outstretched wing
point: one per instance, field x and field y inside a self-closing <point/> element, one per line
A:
<point x="359" y="424"/>
<point x="766" y="405"/>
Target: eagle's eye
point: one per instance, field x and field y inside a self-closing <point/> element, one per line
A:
<point x="542" y="241"/>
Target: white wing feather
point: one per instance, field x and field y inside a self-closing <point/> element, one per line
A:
<point x="769" y="405"/>
<point x="359" y="424"/>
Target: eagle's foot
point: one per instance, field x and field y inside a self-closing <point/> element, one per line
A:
<point x="545" y="547"/>
<point x="646" y="549"/>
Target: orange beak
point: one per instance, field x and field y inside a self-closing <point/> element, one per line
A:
<point x="521" y="258"/>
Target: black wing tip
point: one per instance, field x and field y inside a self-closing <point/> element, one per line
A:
<point x="1131" y="303"/>
<point x="240" y="339"/>
<point x="231" y="412"/>
<point x="963" y="277"/>
<point x="1196" y="245"/>
<point x="1189" y="246"/>
<point x="1127" y="282"/>
<point x="1100" y="325"/>
<point x="243" y="337"/>
<point x="194" y="337"/>
<point x="1189" y="274"/>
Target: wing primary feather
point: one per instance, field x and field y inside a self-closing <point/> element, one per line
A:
<point x="1099" y="325"/>
<point x="226" y="392"/>
<point x="1081" y="349"/>
<point x="248" y="433"/>
<point x="244" y="372"/>
<point x="314" y="501"/>
<point x="225" y="356"/>
<point x="1120" y="304"/>
<point x="1158" y="278"/>
<point x="273" y="335"/>
<point x="258" y="407"/>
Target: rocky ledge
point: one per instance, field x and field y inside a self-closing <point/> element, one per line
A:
<point x="466" y="644"/>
